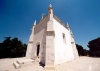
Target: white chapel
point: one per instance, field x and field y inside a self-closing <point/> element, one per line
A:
<point x="51" y="41"/>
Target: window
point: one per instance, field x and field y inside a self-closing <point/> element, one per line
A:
<point x="64" y="38"/>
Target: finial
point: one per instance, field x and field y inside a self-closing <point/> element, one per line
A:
<point x="34" y="22"/>
<point x="67" y="24"/>
<point x="42" y="15"/>
<point x="34" y="25"/>
<point x="50" y="12"/>
<point x="50" y="5"/>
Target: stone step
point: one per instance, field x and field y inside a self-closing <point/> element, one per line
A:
<point x="24" y="61"/>
<point x="16" y="65"/>
<point x="19" y="63"/>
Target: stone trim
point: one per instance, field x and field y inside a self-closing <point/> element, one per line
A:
<point x="30" y="42"/>
<point x="50" y="33"/>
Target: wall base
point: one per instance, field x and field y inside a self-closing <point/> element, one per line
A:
<point x="49" y="68"/>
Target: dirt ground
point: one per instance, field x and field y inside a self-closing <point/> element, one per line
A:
<point x="81" y="64"/>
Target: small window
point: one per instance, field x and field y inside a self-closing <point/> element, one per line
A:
<point x="63" y="35"/>
<point x="64" y="38"/>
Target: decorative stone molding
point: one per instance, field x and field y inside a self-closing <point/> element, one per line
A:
<point x="50" y="33"/>
<point x="30" y="42"/>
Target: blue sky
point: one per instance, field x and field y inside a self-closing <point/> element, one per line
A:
<point x="83" y="16"/>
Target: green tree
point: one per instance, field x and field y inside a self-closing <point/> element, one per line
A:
<point x="4" y="47"/>
<point x="94" y="47"/>
<point x="12" y="48"/>
<point x="81" y="51"/>
<point x="17" y="48"/>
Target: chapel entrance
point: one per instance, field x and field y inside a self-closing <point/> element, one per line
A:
<point x="38" y="50"/>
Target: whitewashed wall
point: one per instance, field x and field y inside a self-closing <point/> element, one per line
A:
<point x="63" y="51"/>
<point x="40" y="38"/>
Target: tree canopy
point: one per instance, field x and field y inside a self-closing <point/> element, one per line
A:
<point x="94" y="47"/>
<point x="12" y="48"/>
<point x="81" y="50"/>
<point x="15" y="48"/>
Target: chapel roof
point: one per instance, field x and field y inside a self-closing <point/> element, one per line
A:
<point x="55" y="17"/>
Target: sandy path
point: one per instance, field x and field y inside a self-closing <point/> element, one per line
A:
<point x="81" y="64"/>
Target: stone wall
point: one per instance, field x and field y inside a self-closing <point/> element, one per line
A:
<point x="39" y="38"/>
